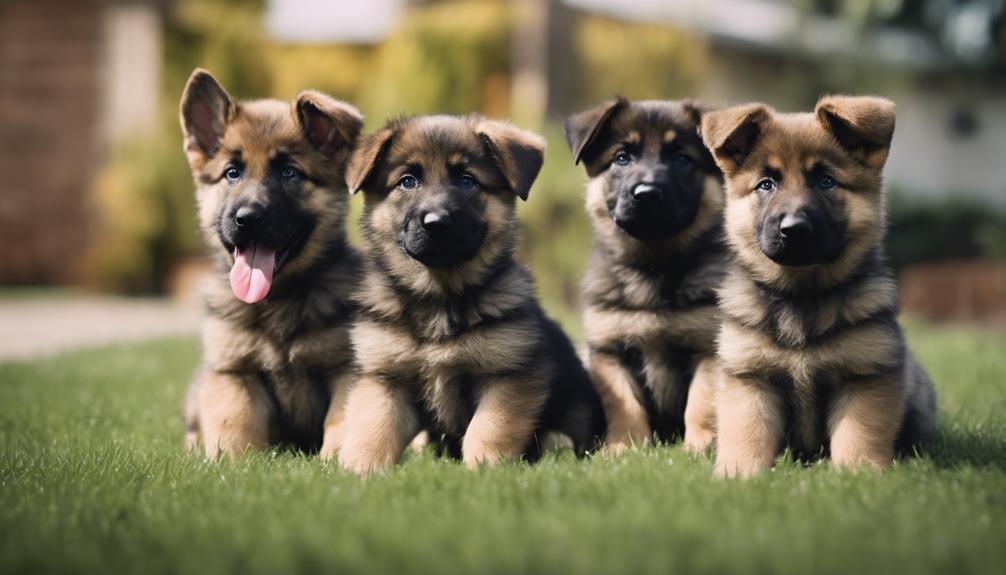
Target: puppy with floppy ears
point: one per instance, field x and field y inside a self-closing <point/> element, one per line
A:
<point x="813" y="355"/>
<point x="450" y="336"/>
<point x="655" y="199"/>
<point x="272" y="207"/>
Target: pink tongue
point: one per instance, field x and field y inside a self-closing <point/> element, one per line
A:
<point x="251" y="276"/>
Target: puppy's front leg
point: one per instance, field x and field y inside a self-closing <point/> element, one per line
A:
<point x="700" y="411"/>
<point x="234" y="413"/>
<point x="338" y="388"/>
<point x="504" y="420"/>
<point x="627" y="420"/>
<point x="863" y="422"/>
<point x="751" y="423"/>
<point x="380" y="420"/>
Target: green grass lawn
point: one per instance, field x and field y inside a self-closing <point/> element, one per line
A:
<point x="93" y="479"/>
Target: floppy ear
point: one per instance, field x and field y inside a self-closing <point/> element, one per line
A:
<point x="519" y="154"/>
<point x="365" y="157"/>
<point x="330" y="125"/>
<point x="205" y="110"/>
<point x="582" y="129"/>
<point x="731" y="133"/>
<point x="862" y="125"/>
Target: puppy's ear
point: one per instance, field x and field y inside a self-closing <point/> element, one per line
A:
<point x="519" y="154"/>
<point x="206" y="108"/>
<point x="731" y="133"/>
<point x="582" y="129"/>
<point x="365" y="158"/>
<point x="862" y="125"/>
<point x="696" y="109"/>
<point x="330" y="125"/>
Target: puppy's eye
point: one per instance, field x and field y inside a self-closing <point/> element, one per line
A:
<point x="290" y="173"/>
<point x="766" y="185"/>
<point x="408" y="182"/>
<point x="622" y="158"/>
<point x="826" y="182"/>
<point x="682" y="160"/>
<point x="466" y="182"/>
<point x="233" y="174"/>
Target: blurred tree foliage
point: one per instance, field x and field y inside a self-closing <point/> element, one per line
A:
<point x="443" y="57"/>
<point x="635" y="60"/>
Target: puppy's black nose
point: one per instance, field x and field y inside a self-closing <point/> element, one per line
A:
<point x="250" y="215"/>
<point x="646" y="192"/>
<point x="436" y="223"/>
<point x="795" y="225"/>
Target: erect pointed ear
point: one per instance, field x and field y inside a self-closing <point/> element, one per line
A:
<point x="206" y="108"/>
<point x="696" y="109"/>
<point x="862" y="125"/>
<point x="582" y="129"/>
<point x="330" y="125"/>
<point x="519" y="154"/>
<point x="731" y="133"/>
<point x="366" y="156"/>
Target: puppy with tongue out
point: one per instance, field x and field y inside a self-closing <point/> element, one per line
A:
<point x="272" y="207"/>
<point x="251" y="276"/>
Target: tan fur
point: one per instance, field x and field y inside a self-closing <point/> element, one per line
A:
<point x="700" y="411"/>
<point x="234" y="416"/>
<point x="380" y="421"/>
<point x="750" y="426"/>
<point x="504" y="420"/>
<point x="461" y="349"/>
<point x="649" y="309"/>
<point x="627" y="423"/>
<point x="860" y="424"/>
<point x="813" y="356"/>
<point x="298" y="336"/>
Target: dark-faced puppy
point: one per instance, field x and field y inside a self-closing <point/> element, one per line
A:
<point x="450" y="335"/>
<point x="272" y="207"/>
<point x="811" y="348"/>
<point x="655" y="198"/>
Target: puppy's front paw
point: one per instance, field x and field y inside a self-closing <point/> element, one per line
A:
<point x="618" y="443"/>
<point x="329" y="450"/>
<point x="742" y="469"/>
<point x="698" y="440"/>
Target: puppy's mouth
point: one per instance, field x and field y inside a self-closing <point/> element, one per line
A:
<point x="255" y="265"/>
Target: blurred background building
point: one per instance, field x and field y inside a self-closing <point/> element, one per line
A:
<point x="98" y="194"/>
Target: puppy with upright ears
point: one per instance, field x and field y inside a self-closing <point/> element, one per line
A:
<point x="270" y="185"/>
<point x="449" y="335"/>
<point x="655" y="199"/>
<point x="813" y="355"/>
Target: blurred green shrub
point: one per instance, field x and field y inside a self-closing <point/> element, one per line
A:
<point x="446" y="58"/>
<point x="635" y="60"/>
<point x="144" y="199"/>
<point x="556" y="235"/>
<point x="928" y="230"/>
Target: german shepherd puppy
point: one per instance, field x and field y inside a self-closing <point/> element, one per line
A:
<point x="449" y="336"/>
<point x="810" y="344"/>
<point x="272" y="207"/>
<point x="655" y="198"/>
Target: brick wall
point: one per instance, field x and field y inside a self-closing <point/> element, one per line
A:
<point x="50" y="60"/>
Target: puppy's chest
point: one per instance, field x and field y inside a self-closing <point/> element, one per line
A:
<point x="450" y="400"/>
<point x="298" y="350"/>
